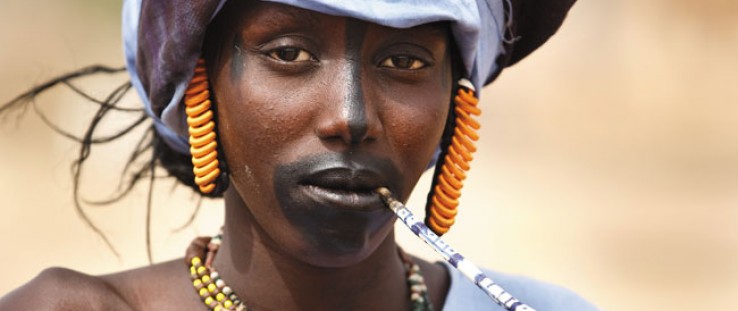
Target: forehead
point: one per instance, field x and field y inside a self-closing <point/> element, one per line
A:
<point x="264" y="15"/>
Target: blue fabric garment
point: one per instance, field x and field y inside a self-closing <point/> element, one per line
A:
<point x="463" y="295"/>
<point x="169" y="37"/>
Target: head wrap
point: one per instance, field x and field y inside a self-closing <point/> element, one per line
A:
<point x="163" y="39"/>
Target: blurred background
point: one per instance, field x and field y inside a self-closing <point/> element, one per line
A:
<point x="608" y="161"/>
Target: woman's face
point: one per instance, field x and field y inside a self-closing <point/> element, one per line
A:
<point x="316" y="111"/>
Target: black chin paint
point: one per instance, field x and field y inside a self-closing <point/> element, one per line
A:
<point x="330" y="229"/>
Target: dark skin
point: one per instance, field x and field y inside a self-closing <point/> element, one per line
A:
<point x="313" y="111"/>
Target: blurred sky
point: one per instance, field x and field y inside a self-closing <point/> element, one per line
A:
<point x="608" y="161"/>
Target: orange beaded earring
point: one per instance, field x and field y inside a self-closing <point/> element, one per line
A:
<point x="443" y="201"/>
<point x="203" y="142"/>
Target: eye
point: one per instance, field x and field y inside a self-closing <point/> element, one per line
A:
<point x="403" y="62"/>
<point x="290" y="54"/>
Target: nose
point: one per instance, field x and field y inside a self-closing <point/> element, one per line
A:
<point x="350" y="116"/>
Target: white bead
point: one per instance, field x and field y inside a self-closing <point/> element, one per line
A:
<point x="415" y="296"/>
<point x="466" y="83"/>
<point x="417" y="288"/>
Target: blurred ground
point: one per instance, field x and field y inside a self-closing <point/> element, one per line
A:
<point x="608" y="161"/>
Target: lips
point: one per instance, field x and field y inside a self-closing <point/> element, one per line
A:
<point x="344" y="187"/>
<point x="329" y="198"/>
<point x="321" y="187"/>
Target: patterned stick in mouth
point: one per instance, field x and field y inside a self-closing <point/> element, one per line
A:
<point x="466" y="267"/>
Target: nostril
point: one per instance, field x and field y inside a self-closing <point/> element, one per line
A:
<point x="349" y="130"/>
<point x="334" y="129"/>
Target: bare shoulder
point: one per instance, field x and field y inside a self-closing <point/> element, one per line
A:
<point x="164" y="286"/>
<point x="64" y="289"/>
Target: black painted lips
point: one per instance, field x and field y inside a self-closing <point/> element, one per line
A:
<point x="345" y="187"/>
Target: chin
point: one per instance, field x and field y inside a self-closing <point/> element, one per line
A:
<point x="328" y="204"/>
<point x="346" y="241"/>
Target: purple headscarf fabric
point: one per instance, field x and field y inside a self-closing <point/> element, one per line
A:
<point x="163" y="40"/>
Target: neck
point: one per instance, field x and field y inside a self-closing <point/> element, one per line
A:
<point x="266" y="277"/>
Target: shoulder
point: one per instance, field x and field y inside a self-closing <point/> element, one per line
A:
<point x="164" y="286"/>
<point x="464" y="295"/>
<point x="64" y="289"/>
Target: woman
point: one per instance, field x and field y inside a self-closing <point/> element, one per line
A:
<point x="295" y="112"/>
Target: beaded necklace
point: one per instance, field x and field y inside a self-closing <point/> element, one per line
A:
<point x="218" y="296"/>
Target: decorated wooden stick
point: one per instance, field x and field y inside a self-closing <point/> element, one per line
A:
<point x="466" y="267"/>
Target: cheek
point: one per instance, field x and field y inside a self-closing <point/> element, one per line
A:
<point x="262" y="123"/>
<point x="416" y="126"/>
<point x="417" y="114"/>
<point x="257" y="122"/>
<point x="244" y="133"/>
